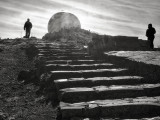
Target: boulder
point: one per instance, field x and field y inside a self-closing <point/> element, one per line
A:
<point x="28" y="77"/>
<point x="31" y="51"/>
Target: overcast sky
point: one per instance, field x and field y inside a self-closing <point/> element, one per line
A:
<point x="113" y="17"/>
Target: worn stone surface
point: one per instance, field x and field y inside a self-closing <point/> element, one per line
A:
<point x="51" y="67"/>
<point x="95" y="81"/>
<point x="118" y="108"/>
<point x="82" y="94"/>
<point x="91" y="87"/>
<point x="148" y="57"/>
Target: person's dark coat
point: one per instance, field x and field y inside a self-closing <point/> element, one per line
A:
<point x="150" y="35"/>
<point x="150" y="32"/>
<point x="28" y="25"/>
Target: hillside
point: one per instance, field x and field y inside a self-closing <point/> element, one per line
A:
<point x="18" y="101"/>
<point x="97" y="42"/>
<point x="78" y="36"/>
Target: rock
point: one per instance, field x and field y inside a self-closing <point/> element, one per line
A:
<point x="40" y="99"/>
<point x="30" y="87"/>
<point x="31" y="51"/>
<point x="77" y="118"/>
<point x="1" y="50"/>
<point x="59" y="114"/>
<point x="11" y="118"/>
<point x="0" y="96"/>
<point x="3" y="116"/>
<point x="44" y="83"/>
<point x="28" y="77"/>
<point x="12" y="99"/>
<point x="48" y="89"/>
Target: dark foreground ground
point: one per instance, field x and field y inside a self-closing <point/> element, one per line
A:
<point x="19" y="101"/>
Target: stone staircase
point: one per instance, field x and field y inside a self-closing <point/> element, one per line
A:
<point x="93" y="88"/>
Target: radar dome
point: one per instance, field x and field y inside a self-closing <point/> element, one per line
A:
<point x="63" y="20"/>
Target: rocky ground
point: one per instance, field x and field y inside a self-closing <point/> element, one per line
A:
<point x="19" y="101"/>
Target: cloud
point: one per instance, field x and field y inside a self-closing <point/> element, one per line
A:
<point x="116" y="17"/>
<point x="6" y="11"/>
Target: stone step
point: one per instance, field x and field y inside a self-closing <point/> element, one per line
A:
<point x="98" y="81"/>
<point x="67" y="47"/>
<point x="80" y="78"/>
<point x="84" y="118"/>
<point x="62" y="53"/>
<point x="46" y="44"/>
<point x="61" y="50"/>
<point x="129" y="108"/>
<point x="55" y="44"/>
<point x="52" y="67"/>
<point x="58" y="48"/>
<point x="87" y="73"/>
<point x="75" y="62"/>
<point x="82" y="94"/>
<point x="65" y="57"/>
<point x="54" y="52"/>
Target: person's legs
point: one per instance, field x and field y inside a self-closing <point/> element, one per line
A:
<point x="151" y="39"/>
<point x="27" y="33"/>
<point x="151" y="44"/>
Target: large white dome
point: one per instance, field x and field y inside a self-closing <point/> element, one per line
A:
<point x="63" y="20"/>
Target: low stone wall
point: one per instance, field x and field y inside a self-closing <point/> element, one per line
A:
<point x="116" y="43"/>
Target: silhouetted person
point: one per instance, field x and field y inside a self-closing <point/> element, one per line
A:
<point x="27" y="27"/>
<point x="150" y="34"/>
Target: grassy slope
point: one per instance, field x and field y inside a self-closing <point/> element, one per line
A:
<point x="18" y="101"/>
